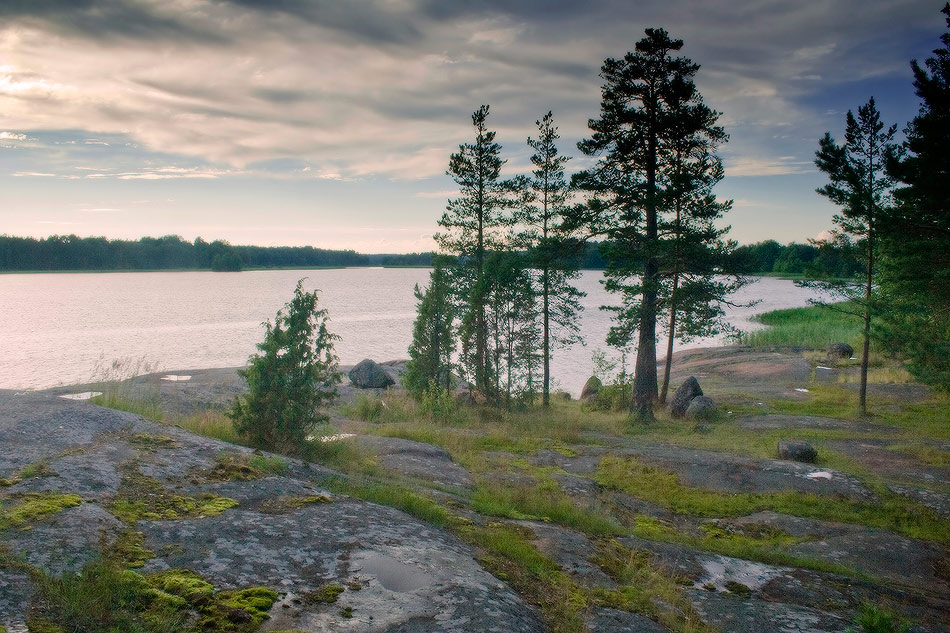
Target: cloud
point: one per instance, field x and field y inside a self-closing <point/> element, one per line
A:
<point x="12" y="136"/>
<point x="385" y="87"/>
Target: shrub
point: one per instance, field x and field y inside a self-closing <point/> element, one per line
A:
<point x="290" y="379"/>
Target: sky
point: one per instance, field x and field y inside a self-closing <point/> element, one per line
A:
<point x="330" y="123"/>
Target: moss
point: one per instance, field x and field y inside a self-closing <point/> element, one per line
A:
<point x="244" y="467"/>
<point x="237" y="611"/>
<point x="346" y="612"/>
<point x="326" y="594"/>
<point x="36" y="506"/>
<point x="149" y="441"/>
<point x="143" y="497"/>
<point x="183" y="583"/>
<point x="285" y="504"/>
<point x="129" y="548"/>
<point x="738" y="589"/>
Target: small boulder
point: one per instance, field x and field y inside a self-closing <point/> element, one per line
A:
<point x="370" y="375"/>
<point x="591" y="388"/>
<point x="700" y="408"/>
<point x="797" y="451"/>
<point x="840" y="350"/>
<point x="683" y="396"/>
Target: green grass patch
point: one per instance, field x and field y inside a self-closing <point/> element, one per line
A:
<point x="814" y="326"/>
<point x="211" y="423"/>
<point x="643" y="588"/>
<point x="664" y="488"/>
<point x="545" y="502"/>
<point x="37" y="469"/>
<point x="148" y="408"/>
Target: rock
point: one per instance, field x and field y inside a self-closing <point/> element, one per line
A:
<point x="683" y="396"/>
<point x="797" y="451"/>
<point x="700" y="408"/>
<point x="369" y="374"/>
<point x="840" y="350"/>
<point x="591" y="388"/>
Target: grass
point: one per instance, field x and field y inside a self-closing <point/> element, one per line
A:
<point x="544" y="502"/>
<point x="644" y="588"/>
<point x="815" y="327"/>
<point x="664" y="489"/>
<point x="143" y="497"/>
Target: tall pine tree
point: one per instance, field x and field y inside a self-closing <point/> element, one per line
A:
<point x="556" y="253"/>
<point x="472" y="225"/>
<point x="861" y="187"/>
<point x="643" y="112"/>
<point x="915" y="263"/>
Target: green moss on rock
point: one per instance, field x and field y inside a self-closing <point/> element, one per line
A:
<point x="326" y="594"/>
<point x="237" y="611"/>
<point x="285" y="504"/>
<point x="184" y="583"/>
<point x="35" y="506"/>
<point x="143" y="497"/>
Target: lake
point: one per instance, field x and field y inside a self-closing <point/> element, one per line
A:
<point x="59" y="327"/>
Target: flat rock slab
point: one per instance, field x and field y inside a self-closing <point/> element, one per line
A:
<point x="412" y="576"/>
<point x="725" y="472"/>
<point x="775" y="421"/>
<point x="417" y="459"/>
<point x="604" y="620"/>
<point x="741" y="615"/>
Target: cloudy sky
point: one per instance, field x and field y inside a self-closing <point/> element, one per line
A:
<point x="330" y="122"/>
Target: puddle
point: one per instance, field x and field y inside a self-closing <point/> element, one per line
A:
<point x="84" y="395"/>
<point x="801" y="390"/>
<point x="176" y="378"/>
<point x="722" y="570"/>
<point x="821" y="474"/>
<point x="391" y="573"/>
<point x="823" y="367"/>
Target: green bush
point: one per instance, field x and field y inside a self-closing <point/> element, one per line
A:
<point x="290" y="379"/>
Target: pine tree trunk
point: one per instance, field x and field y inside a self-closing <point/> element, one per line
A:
<point x="669" y="342"/>
<point x="644" y="379"/>
<point x="546" y="343"/>
<point x="863" y="397"/>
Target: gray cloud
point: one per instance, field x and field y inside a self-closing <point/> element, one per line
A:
<point x="372" y="86"/>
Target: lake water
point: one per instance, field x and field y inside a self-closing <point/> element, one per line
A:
<point x="57" y="328"/>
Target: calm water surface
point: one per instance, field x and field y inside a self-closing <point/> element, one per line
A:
<point x="57" y="328"/>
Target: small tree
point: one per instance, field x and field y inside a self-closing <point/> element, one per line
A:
<point x="290" y="379"/>
<point x="430" y="354"/>
<point x="473" y="225"/>
<point x="555" y="252"/>
<point x="861" y="187"/>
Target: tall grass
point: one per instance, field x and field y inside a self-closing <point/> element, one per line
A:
<point x="814" y="326"/>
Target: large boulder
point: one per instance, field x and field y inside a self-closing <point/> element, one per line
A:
<point x="591" y="388"/>
<point x="369" y="374"/>
<point x="700" y="408"/>
<point x="683" y="396"/>
<point x="840" y="350"/>
<point x="797" y="451"/>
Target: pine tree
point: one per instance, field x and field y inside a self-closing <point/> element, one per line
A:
<point x="473" y="224"/>
<point x="433" y="341"/>
<point x="861" y="187"/>
<point x="290" y="379"/>
<point x="695" y="264"/>
<point x="555" y="252"/>
<point x="642" y="113"/>
<point x="915" y="267"/>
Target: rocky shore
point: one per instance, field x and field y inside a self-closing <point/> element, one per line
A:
<point x="108" y="477"/>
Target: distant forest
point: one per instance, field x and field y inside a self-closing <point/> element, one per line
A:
<point x="70" y="252"/>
